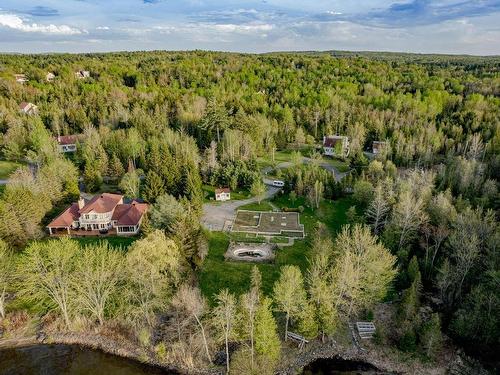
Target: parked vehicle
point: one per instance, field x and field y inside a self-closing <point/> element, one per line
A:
<point x="278" y="183"/>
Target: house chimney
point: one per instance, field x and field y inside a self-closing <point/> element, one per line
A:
<point x="81" y="203"/>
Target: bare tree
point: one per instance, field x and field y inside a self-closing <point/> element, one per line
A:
<point x="45" y="271"/>
<point x="96" y="279"/>
<point x="378" y="210"/>
<point x="224" y="316"/>
<point x="289" y="293"/>
<point x="190" y="300"/>
<point x="408" y="216"/>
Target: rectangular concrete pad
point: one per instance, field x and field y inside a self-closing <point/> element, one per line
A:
<point x="269" y="223"/>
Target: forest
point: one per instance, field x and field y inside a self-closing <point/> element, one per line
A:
<point x="420" y="226"/>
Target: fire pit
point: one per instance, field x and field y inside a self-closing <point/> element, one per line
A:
<point x="250" y="252"/>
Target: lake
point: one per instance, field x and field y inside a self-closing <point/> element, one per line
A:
<point x="69" y="360"/>
<point x="339" y="366"/>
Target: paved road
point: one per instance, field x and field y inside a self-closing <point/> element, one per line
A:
<point x="218" y="215"/>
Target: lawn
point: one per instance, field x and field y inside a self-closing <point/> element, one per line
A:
<point x="209" y="194"/>
<point x="7" y="167"/>
<point x="340" y="165"/>
<point x="217" y="274"/>
<point x="263" y="206"/>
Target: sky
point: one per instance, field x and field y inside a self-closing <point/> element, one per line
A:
<point x="421" y="26"/>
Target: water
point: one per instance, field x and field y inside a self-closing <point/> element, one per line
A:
<point x="69" y="360"/>
<point x="338" y="366"/>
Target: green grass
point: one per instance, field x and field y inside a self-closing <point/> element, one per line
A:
<point x="263" y="206"/>
<point x="209" y="194"/>
<point x="115" y="242"/>
<point x="216" y="273"/>
<point x="342" y="166"/>
<point x="7" y="168"/>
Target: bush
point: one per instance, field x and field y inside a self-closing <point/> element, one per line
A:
<point x="301" y="209"/>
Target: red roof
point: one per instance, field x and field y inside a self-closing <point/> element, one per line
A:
<point x="103" y="203"/>
<point x="222" y="190"/>
<point x="68" y="139"/>
<point x="23" y="105"/>
<point x="129" y="214"/>
<point x="66" y="218"/>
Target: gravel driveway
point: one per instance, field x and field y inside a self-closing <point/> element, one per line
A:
<point x="218" y="215"/>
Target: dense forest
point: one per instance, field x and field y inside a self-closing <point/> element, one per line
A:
<point x="422" y="230"/>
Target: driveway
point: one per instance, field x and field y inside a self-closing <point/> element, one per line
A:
<point x="218" y="215"/>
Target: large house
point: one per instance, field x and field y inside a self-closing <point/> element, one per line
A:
<point x="67" y="143"/>
<point x="104" y="213"/>
<point x="28" y="108"/>
<point x="222" y="194"/>
<point x="82" y="74"/>
<point x="336" y="145"/>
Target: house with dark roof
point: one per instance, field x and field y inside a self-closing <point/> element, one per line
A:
<point x="222" y="194"/>
<point x="82" y="74"/>
<point x="67" y="143"/>
<point x="28" y="108"/>
<point x="103" y="214"/>
<point x="336" y="145"/>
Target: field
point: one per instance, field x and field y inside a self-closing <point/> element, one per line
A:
<point x="7" y="167"/>
<point x="216" y="274"/>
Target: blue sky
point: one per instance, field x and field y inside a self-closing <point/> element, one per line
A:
<point x="426" y="26"/>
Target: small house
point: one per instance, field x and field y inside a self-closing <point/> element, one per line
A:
<point x="82" y="74"/>
<point x="378" y="147"/>
<point x="50" y="77"/>
<point x="336" y="145"/>
<point x="28" y="108"/>
<point x="222" y="194"/>
<point x="67" y="143"/>
<point x="21" y="78"/>
<point x="103" y="214"/>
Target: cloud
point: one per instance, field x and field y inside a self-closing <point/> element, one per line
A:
<point x="427" y="12"/>
<point x="17" y="23"/>
<point x="42" y="11"/>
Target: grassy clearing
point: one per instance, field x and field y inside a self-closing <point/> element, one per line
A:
<point x="263" y="206"/>
<point x="340" y="165"/>
<point x="217" y="274"/>
<point x="7" y="168"/>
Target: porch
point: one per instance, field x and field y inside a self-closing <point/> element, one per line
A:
<point x="59" y="232"/>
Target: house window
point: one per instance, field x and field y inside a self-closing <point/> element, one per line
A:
<point x="127" y="229"/>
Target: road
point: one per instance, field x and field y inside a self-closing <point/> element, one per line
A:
<point x="217" y="215"/>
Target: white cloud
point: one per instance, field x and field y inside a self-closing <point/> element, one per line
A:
<point x="102" y="27"/>
<point x="232" y="28"/>
<point x="17" y="23"/>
